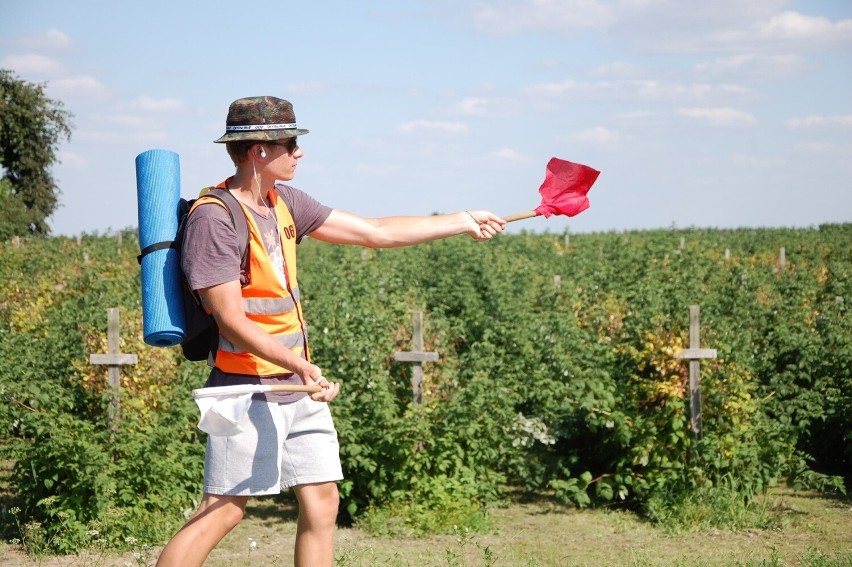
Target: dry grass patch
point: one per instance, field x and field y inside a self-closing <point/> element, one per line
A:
<point x="813" y="531"/>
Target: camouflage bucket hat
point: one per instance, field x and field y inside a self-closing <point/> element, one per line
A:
<point x="261" y="118"/>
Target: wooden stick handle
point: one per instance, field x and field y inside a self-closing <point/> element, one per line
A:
<point x="313" y="388"/>
<point x="520" y="216"/>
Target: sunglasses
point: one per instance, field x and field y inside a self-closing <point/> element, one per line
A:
<point x="289" y="144"/>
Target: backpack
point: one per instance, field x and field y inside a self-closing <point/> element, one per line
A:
<point x="201" y="337"/>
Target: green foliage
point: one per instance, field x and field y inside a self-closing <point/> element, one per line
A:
<point x="13" y="212"/>
<point x="31" y="129"/>
<point x="566" y="387"/>
<point x="75" y="471"/>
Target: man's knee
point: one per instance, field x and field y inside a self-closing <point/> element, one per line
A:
<point x="319" y="502"/>
<point x="228" y="511"/>
<point x="328" y="499"/>
<point x="233" y="515"/>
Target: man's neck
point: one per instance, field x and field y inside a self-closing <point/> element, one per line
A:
<point x="244" y="187"/>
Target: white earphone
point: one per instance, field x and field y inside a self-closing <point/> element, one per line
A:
<point x="262" y="153"/>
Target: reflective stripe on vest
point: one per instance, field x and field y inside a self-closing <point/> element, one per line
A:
<point x="291" y="341"/>
<point x="273" y="306"/>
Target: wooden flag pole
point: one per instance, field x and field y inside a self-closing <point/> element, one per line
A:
<point x="520" y="216"/>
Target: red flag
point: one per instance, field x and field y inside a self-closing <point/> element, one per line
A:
<point x="564" y="189"/>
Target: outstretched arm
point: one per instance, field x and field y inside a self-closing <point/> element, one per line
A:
<point x="391" y="232"/>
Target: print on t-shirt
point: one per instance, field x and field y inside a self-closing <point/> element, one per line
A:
<point x="276" y="256"/>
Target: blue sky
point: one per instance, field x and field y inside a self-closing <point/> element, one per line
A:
<point x="725" y="114"/>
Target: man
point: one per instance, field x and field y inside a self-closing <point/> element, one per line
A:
<point x="290" y="440"/>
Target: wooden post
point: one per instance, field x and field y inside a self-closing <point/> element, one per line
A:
<point x="694" y="354"/>
<point x="782" y="258"/>
<point x="113" y="359"/>
<point x="417" y="357"/>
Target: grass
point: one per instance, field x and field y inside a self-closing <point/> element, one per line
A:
<point x="808" y="530"/>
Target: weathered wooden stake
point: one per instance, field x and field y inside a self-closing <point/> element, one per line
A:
<point x="694" y="354"/>
<point x="417" y="357"/>
<point x="113" y="359"/>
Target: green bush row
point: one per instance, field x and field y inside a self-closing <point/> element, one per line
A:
<point x="556" y="376"/>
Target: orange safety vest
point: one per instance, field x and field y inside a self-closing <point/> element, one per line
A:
<point x="275" y="307"/>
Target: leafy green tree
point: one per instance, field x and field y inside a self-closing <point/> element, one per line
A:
<point x="31" y="128"/>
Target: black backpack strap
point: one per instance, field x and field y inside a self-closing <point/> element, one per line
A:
<point x="238" y="218"/>
<point x="154" y="247"/>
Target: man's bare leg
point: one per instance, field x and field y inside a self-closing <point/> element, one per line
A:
<point x="318" y="505"/>
<point x="215" y="517"/>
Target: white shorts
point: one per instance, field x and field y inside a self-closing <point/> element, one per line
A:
<point x="283" y="445"/>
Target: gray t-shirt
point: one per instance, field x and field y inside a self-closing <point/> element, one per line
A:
<point x="211" y="256"/>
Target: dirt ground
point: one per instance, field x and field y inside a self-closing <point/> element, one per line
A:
<point x="540" y="534"/>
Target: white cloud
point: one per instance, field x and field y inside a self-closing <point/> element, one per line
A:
<point x="794" y="26"/>
<point x="671" y="26"/>
<point x="78" y="86"/>
<point x="619" y="70"/>
<point x="58" y="39"/>
<point x="434" y="126"/>
<point x="586" y="90"/>
<point x="790" y="29"/>
<point x="508" y="154"/>
<point x="637" y="117"/>
<point x="131" y="121"/>
<point x="667" y="90"/>
<point x="815" y="121"/>
<point x="525" y="16"/>
<point x="829" y="149"/>
<point x="118" y="137"/>
<point x="645" y="90"/>
<point x="474" y="106"/>
<point x="597" y="135"/>
<point x="33" y="65"/>
<point x="51" y="40"/>
<point x="753" y="66"/>
<point x="72" y="159"/>
<point x="719" y="116"/>
<point x="486" y="107"/>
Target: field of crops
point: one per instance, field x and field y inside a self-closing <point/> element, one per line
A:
<point x="556" y="377"/>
